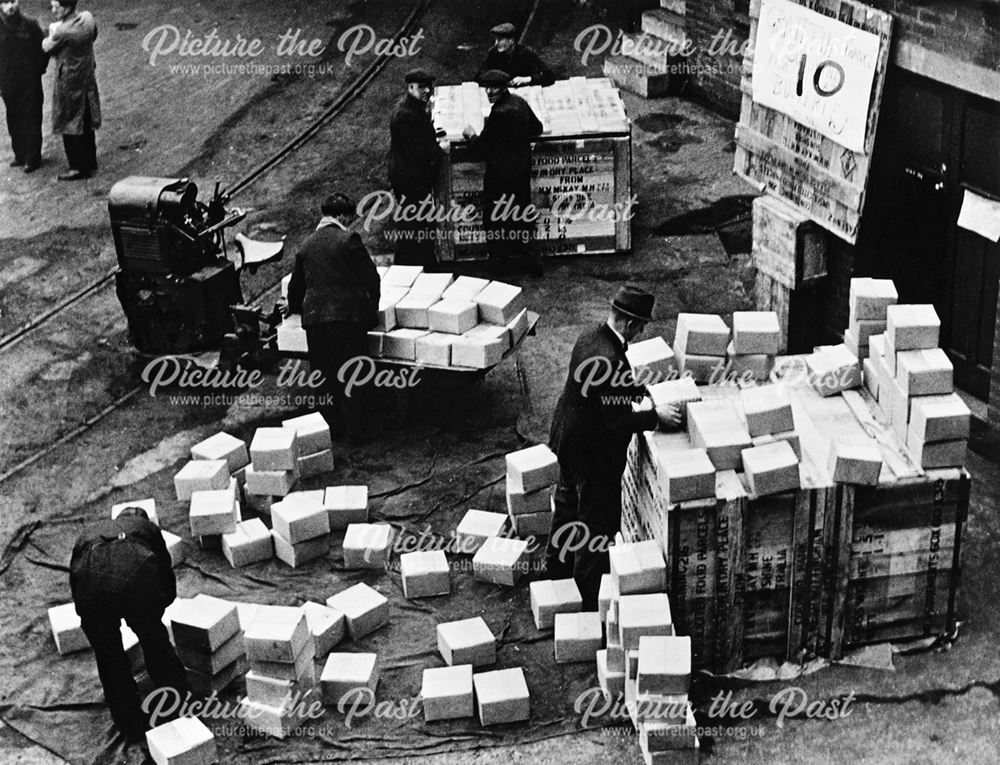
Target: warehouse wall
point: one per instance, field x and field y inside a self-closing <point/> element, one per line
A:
<point x="953" y="41"/>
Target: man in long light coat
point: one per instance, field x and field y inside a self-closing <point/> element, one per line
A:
<point x="76" y="103"/>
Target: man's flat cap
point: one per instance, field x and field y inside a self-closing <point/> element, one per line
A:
<point x="420" y="75"/>
<point x="494" y="77"/>
<point x="503" y="30"/>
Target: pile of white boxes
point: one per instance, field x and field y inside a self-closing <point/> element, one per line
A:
<point x="909" y="375"/>
<point x="281" y="679"/>
<point x="706" y="351"/>
<point x="437" y="320"/>
<point x="206" y="632"/>
<point x="644" y="660"/>
<point x="531" y="477"/>
<point x="300" y="528"/>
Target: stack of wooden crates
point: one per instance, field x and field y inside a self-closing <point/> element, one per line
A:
<point x="811" y="572"/>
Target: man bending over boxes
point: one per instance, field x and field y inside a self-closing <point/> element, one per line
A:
<point x="591" y="430"/>
<point x="121" y="570"/>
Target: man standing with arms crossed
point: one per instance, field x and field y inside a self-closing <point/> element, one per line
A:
<point x="591" y="430"/>
<point x="76" y="104"/>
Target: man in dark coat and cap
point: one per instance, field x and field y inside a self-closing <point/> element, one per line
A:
<point x="414" y="159"/>
<point x="119" y="570"/>
<point x="76" y="103"/>
<point x="335" y="287"/>
<point x="593" y="424"/>
<point x="504" y="146"/>
<point x="520" y="61"/>
<point x="22" y="63"/>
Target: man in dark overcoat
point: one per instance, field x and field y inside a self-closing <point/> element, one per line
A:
<point x="121" y="570"/>
<point x="504" y="146"/>
<point x="335" y="287"/>
<point x="76" y="103"/>
<point x="520" y="61"/>
<point x="414" y="159"/>
<point x="593" y="424"/>
<point x="22" y="63"/>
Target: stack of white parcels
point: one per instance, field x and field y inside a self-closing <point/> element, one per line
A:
<point x="700" y="345"/>
<point x="644" y="661"/>
<point x="206" y="632"/>
<point x="913" y="380"/>
<point x="868" y="301"/>
<point x="767" y="410"/>
<point x="274" y="468"/>
<point x="300" y="527"/>
<point x="213" y="513"/>
<point x="437" y="320"/>
<point x="315" y="447"/>
<point x="756" y="339"/>
<point x="531" y="475"/>
<point x="281" y="681"/>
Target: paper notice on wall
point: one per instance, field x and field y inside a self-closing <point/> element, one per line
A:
<point x="980" y="215"/>
<point x="817" y="70"/>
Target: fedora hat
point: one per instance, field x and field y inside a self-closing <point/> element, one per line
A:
<point x="634" y="302"/>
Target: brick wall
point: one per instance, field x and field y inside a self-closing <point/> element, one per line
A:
<point x="967" y="31"/>
<point x="718" y="33"/>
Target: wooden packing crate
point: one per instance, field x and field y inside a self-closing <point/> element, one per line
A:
<point x="581" y="169"/>
<point x="812" y="572"/>
<point x="787" y="246"/>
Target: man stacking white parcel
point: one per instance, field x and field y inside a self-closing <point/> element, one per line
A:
<point x="206" y="632"/>
<point x="914" y="384"/>
<point x="281" y="679"/>
<point x="531" y="475"/>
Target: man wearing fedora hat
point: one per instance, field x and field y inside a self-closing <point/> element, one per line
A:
<point x="504" y="146"/>
<point x="335" y="287"/>
<point x="414" y="158"/>
<point x="593" y="424"/>
<point x="520" y="61"/>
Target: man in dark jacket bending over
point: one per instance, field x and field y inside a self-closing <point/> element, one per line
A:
<point x="591" y="430"/>
<point x="121" y="570"/>
<point x="335" y="286"/>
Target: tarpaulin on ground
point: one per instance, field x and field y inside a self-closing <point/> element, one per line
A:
<point x="57" y="702"/>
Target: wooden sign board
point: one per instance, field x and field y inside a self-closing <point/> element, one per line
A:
<point x="801" y="162"/>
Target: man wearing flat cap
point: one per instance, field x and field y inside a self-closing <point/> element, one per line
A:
<point x="593" y="424"/>
<point x="504" y="147"/>
<point x="520" y="61"/>
<point x="414" y="158"/>
<point x="335" y="288"/>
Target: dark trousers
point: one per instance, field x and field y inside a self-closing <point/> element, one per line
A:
<point x="103" y="630"/>
<point x="24" y="123"/>
<point x="81" y="150"/>
<point x="507" y="238"/>
<point x="331" y="345"/>
<point x="415" y="242"/>
<point x="588" y="514"/>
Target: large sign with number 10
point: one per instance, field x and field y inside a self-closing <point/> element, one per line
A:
<point x="817" y="70"/>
